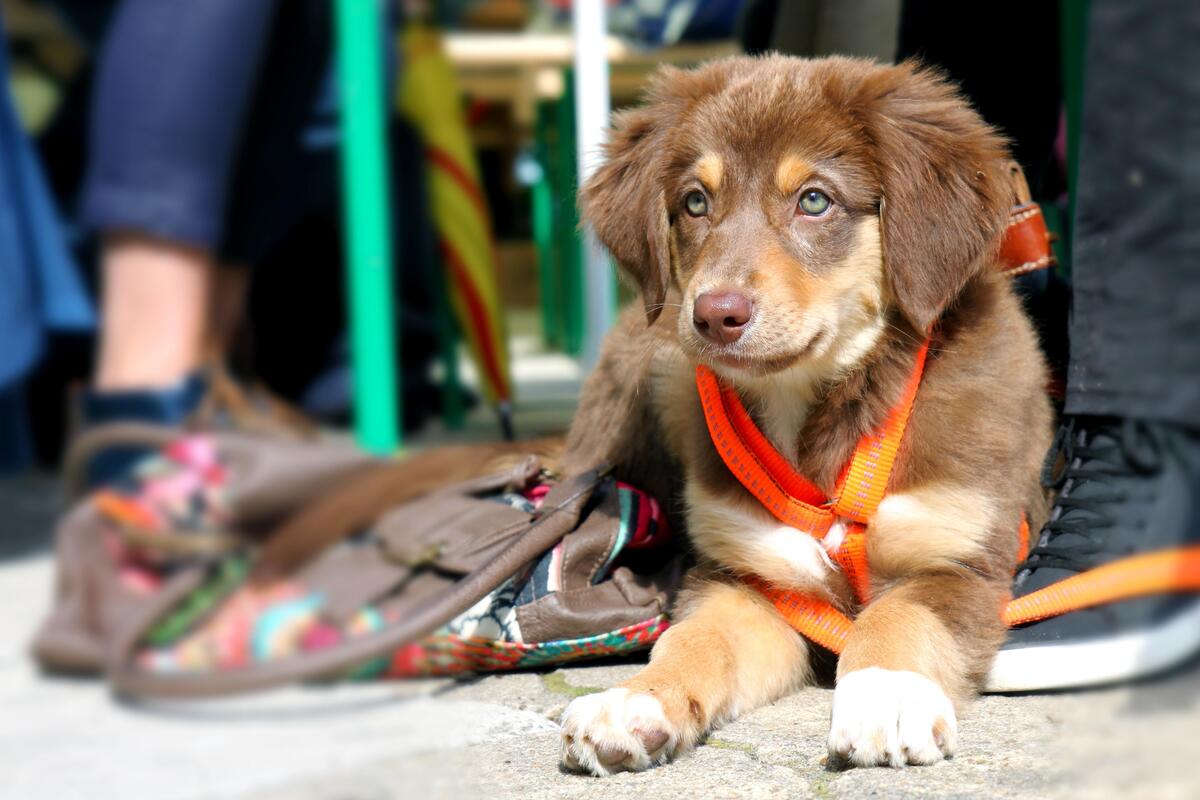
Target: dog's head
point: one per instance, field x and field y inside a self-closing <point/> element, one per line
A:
<point x="799" y="207"/>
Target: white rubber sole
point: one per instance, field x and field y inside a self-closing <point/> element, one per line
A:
<point x="1122" y="658"/>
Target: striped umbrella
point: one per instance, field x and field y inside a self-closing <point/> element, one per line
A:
<point x="428" y="96"/>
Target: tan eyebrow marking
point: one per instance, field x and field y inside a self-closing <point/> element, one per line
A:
<point x="710" y="169"/>
<point x="791" y="173"/>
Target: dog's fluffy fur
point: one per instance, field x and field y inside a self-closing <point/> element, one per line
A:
<point x="920" y="198"/>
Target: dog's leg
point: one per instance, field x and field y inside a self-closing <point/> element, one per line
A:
<point x="914" y="651"/>
<point x="731" y="652"/>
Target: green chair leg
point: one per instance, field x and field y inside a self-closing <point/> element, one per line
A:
<point x="373" y="337"/>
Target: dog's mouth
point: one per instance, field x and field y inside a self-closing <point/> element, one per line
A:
<point x="733" y="357"/>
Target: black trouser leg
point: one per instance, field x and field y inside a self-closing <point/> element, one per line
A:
<point x="1135" y="330"/>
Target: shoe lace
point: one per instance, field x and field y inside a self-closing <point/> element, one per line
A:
<point x="1089" y="451"/>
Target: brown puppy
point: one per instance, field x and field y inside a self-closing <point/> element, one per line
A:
<point x="800" y="227"/>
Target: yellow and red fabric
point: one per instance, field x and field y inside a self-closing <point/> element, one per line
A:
<point x="428" y="96"/>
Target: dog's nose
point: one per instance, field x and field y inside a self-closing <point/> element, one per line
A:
<point x="721" y="317"/>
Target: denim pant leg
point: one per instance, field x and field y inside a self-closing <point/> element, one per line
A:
<point x="172" y="87"/>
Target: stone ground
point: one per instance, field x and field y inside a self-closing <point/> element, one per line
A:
<point x="496" y="737"/>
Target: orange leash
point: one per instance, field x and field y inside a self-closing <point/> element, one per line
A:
<point x="1163" y="572"/>
<point x="795" y="501"/>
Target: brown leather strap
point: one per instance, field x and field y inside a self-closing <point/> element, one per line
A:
<point x="1026" y="244"/>
<point x="545" y="530"/>
<point x="363" y="496"/>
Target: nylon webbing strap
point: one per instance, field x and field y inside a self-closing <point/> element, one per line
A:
<point x="870" y="471"/>
<point x="1162" y="572"/>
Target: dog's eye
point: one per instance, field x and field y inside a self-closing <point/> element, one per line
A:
<point x="814" y="203"/>
<point x="696" y="203"/>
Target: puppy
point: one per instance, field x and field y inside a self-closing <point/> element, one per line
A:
<point x="801" y="227"/>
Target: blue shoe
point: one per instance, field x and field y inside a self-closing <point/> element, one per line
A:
<point x="168" y="407"/>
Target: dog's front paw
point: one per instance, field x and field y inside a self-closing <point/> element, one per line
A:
<point x="615" y="730"/>
<point x="890" y="717"/>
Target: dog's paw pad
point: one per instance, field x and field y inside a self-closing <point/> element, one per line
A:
<point x="613" y="731"/>
<point x="884" y="717"/>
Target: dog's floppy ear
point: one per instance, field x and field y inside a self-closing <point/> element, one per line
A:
<point x="623" y="201"/>
<point x="945" y="195"/>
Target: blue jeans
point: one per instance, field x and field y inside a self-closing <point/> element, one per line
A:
<point x="198" y="113"/>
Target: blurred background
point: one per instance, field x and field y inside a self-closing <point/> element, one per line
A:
<point x="356" y="220"/>
<point x="489" y="295"/>
<point x="480" y="159"/>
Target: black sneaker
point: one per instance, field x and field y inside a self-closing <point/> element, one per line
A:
<point x="1123" y="488"/>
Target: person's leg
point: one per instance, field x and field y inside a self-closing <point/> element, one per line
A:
<point x="171" y="93"/>
<point x="154" y="314"/>
<point x="1127" y="473"/>
<point x="1136" y="319"/>
<point x="227" y="305"/>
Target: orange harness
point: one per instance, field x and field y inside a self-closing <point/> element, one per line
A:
<point x="793" y="499"/>
<point x="796" y="502"/>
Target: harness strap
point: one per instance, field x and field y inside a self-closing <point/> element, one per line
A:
<point x="755" y="463"/>
<point x="1023" y="537"/>
<point x="851" y="557"/>
<point x="812" y="617"/>
<point x="792" y="498"/>
<point x="870" y="472"/>
<point x="785" y="493"/>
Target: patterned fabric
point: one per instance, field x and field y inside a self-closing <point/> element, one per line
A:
<point x="229" y="624"/>
<point x="180" y="490"/>
<point x="493" y="617"/>
<point x="447" y="654"/>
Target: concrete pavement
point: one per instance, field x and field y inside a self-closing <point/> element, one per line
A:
<point x="496" y="737"/>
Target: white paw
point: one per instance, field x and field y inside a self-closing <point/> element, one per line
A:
<point x="615" y="730"/>
<point x="889" y="717"/>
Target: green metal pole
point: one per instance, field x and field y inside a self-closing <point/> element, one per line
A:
<point x="542" y="198"/>
<point x="359" y="41"/>
<point x="567" y="222"/>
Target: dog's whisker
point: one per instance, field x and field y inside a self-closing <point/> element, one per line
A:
<point x="905" y="334"/>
